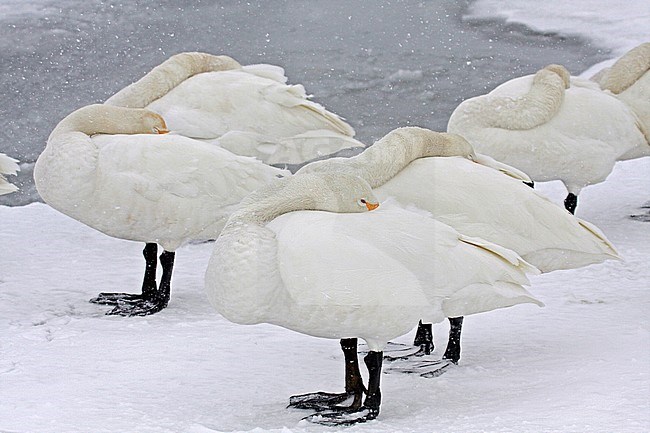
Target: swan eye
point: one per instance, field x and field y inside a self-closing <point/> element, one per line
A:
<point x="362" y="202"/>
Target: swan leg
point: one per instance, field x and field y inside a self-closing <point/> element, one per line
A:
<point x="424" y="338"/>
<point x="571" y="202"/>
<point x="152" y="302"/>
<point x="453" y="345"/>
<point x="149" y="287"/>
<point x="370" y="408"/>
<point x="423" y="341"/>
<point x="354" y="388"/>
<point x="530" y="184"/>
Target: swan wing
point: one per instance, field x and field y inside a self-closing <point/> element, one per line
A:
<point x="390" y="257"/>
<point x="482" y="202"/>
<point x="242" y="101"/>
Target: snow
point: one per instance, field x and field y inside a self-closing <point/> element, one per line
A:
<point x="581" y="364"/>
<point x="618" y="26"/>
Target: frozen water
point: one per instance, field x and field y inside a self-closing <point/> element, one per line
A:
<point x="379" y="64"/>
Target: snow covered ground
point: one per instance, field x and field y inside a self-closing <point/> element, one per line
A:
<point x="581" y="364"/>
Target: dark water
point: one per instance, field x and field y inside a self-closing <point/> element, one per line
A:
<point x="381" y="65"/>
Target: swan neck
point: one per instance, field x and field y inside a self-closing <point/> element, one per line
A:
<point x="166" y="76"/>
<point x="268" y="203"/>
<point x="538" y="106"/>
<point x="101" y="119"/>
<point x="627" y="70"/>
<point x="388" y="156"/>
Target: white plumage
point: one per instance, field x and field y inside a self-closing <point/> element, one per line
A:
<point x="248" y="110"/>
<point x="433" y="171"/>
<point x="553" y="127"/>
<point x="629" y="80"/>
<point x="438" y="173"/>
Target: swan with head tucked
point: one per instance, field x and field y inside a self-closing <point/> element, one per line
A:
<point x="553" y="127"/>
<point x="304" y="253"/>
<point x="8" y="166"/>
<point x="111" y="168"/>
<point x="438" y="173"/>
<point x="248" y="110"/>
<point x="629" y="80"/>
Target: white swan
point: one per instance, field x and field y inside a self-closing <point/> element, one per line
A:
<point x="629" y="80"/>
<point x="8" y="166"/>
<point x="552" y="126"/>
<point x="435" y="172"/>
<point x="138" y="185"/>
<point x="303" y="254"/>
<point x="248" y="110"/>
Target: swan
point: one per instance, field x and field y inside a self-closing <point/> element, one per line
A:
<point x="553" y="127"/>
<point x="305" y="253"/>
<point x="436" y="172"/>
<point x="629" y="79"/>
<point x="113" y="169"/>
<point x="248" y="110"/>
<point x="8" y="166"/>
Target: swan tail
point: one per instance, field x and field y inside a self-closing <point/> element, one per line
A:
<point x="605" y="243"/>
<point x="480" y="298"/>
<point x="506" y="169"/>
<point x="8" y="166"/>
<point x="169" y="74"/>
<point x="293" y="96"/>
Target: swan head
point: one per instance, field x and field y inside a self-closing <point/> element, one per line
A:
<point x="561" y="71"/>
<point x="335" y="192"/>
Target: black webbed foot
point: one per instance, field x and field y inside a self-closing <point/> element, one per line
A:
<point x="143" y="307"/>
<point x="116" y="298"/>
<point x="323" y="401"/>
<point x="343" y="417"/>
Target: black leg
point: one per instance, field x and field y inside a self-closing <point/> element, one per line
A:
<point x="150" y="254"/>
<point x="353" y="380"/>
<point x="424" y="338"/>
<point x="354" y="388"/>
<point x="571" y="202"/>
<point x="530" y="184"/>
<point x="149" y="288"/>
<point x="453" y="345"/>
<point x="164" y="293"/>
<point x="373" y="399"/>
